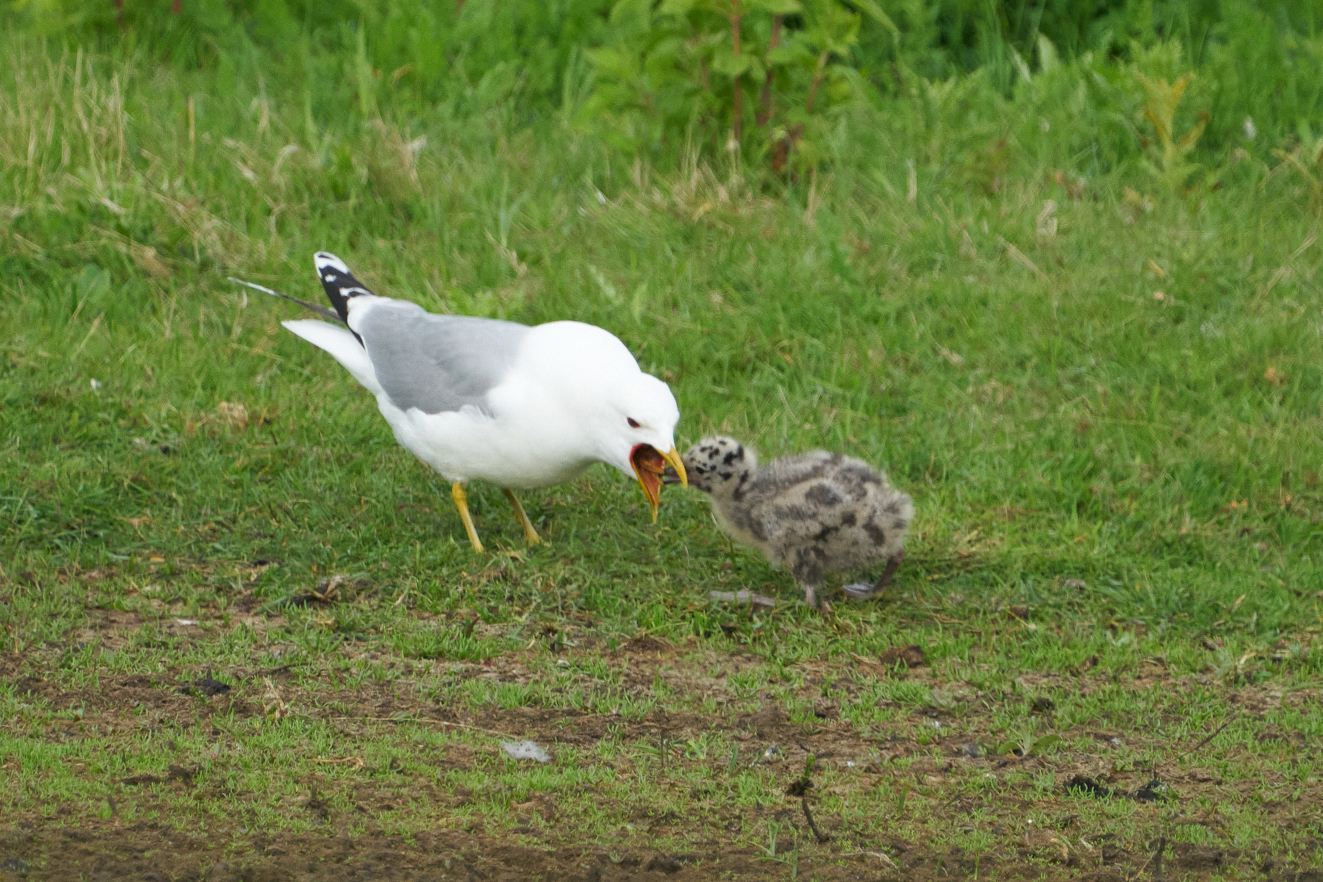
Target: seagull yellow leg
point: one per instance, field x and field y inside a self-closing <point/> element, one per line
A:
<point x="462" y="503"/>
<point x="529" y="533"/>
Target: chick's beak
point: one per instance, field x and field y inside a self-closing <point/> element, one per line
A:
<point x="649" y="465"/>
<point x="672" y="456"/>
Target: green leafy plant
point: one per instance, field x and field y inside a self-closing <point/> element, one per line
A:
<point x="1025" y="744"/>
<point x="734" y="74"/>
<point x="1161" y="100"/>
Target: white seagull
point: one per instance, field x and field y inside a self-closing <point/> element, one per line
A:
<point x="489" y="400"/>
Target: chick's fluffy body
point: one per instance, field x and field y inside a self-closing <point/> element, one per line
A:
<point x="813" y="513"/>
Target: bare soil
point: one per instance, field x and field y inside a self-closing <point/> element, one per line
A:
<point x="66" y="842"/>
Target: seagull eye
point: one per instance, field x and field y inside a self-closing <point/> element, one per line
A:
<point x="633" y="423"/>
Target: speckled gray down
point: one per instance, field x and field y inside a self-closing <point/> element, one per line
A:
<point x="813" y="513"/>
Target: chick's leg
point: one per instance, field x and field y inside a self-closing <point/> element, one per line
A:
<point x="530" y="535"/>
<point x="893" y="563"/>
<point x="807" y="567"/>
<point x="863" y="591"/>
<point x="811" y="595"/>
<point x="462" y="503"/>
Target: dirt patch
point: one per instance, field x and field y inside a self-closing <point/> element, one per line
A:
<point x="107" y="852"/>
<point x="150" y="852"/>
<point x="1029" y="804"/>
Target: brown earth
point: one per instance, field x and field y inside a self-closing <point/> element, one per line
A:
<point x="66" y="842"/>
<point x="151" y="852"/>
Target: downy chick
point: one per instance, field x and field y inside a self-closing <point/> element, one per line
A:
<point x="813" y="513"/>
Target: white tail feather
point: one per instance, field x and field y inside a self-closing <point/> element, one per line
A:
<point x="343" y="346"/>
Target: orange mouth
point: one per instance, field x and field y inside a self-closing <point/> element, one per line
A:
<point x="649" y="465"/>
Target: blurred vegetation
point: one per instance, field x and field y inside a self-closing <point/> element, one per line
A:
<point x="656" y="76"/>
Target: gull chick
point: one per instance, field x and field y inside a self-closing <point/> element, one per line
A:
<point x="813" y="513"/>
<point x="480" y="399"/>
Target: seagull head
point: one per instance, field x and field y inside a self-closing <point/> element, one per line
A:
<point x="639" y="434"/>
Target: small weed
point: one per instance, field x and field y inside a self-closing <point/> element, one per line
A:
<point x="1161" y="100"/>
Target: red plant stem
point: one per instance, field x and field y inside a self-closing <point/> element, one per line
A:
<point x="176" y="7"/>
<point x="817" y="80"/>
<point x="765" y="112"/>
<point x="737" y="111"/>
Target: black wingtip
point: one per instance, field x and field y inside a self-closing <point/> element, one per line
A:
<point x="315" y="307"/>
<point x="338" y="281"/>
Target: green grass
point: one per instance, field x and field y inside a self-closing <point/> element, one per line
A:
<point x="1118" y="495"/>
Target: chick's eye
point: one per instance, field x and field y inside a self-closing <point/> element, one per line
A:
<point x="633" y="423"/>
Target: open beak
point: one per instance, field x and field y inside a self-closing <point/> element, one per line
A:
<point x="649" y="465"/>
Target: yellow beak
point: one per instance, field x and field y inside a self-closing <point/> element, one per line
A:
<point x="672" y="456"/>
<point x="649" y="464"/>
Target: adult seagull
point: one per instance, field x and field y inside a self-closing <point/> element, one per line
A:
<point x="489" y="400"/>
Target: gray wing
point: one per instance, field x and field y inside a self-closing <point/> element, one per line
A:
<point x="766" y="501"/>
<point x="814" y="494"/>
<point x="437" y="363"/>
<point x="848" y="518"/>
<point x="775" y="479"/>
